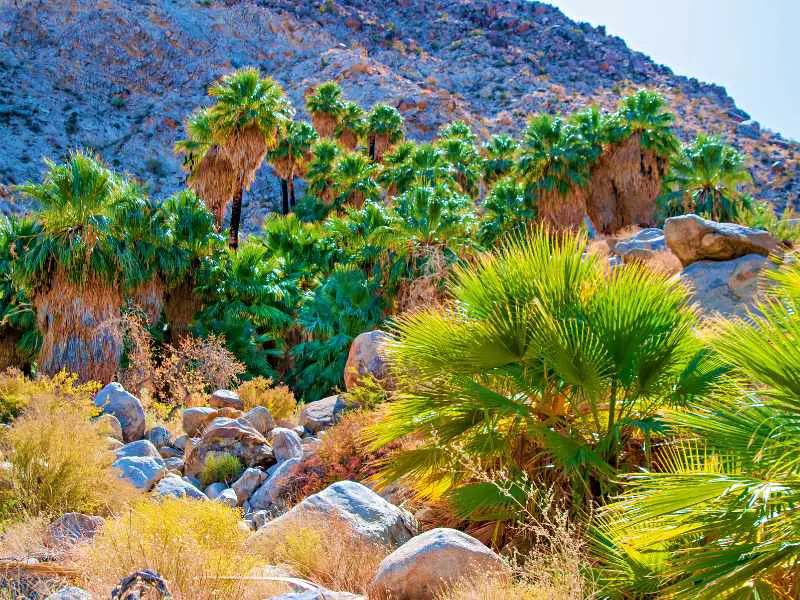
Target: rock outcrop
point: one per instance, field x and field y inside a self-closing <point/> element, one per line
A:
<point x="727" y="288"/>
<point x="366" y="358"/>
<point x="113" y="399"/>
<point x="693" y="238"/>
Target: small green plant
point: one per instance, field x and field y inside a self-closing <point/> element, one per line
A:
<point x="118" y="102"/>
<point x="221" y="468"/>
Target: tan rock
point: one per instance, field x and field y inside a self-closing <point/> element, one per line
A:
<point x="693" y="238"/>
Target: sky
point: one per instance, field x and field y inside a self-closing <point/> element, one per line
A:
<point x="751" y="47"/>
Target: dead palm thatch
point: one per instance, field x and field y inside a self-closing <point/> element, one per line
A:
<point x="180" y="307"/>
<point x="215" y="182"/>
<point x="80" y="324"/>
<point x="149" y="298"/>
<point x="623" y="186"/>
<point x="325" y="124"/>
<point x="349" y="139"/>
<point x="562" y="211"/>
<point x="10" y="356"/>
<point x="246" y="150"/>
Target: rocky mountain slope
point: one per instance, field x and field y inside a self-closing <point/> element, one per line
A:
<point x="119" y="76"/>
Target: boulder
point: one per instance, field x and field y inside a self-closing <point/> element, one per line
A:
<point x="728" y="288"/>
<point x="693" y="238"/>
<point x="72" y="528"/>
<point x="642" y="245"/>
<point x="286" y="444"/>
<point x="114" y="400"/>
<point x="159" y="436"/>
<point x="172" y="485"/>
<point x="260" y="419"/>
<point x="248" y="482"/>
<point x="181" y="442"/>
<point x="138" y="448"/>
<point x="174" y="464"/>
<point x="319" y="594"/>
<point x="321" y="414"/>
<point x="142" y="471"/>
<point x="365" y="513"/>
<point x="196" y="418"/>
<point x="109" y="426"/>
<point x="69" y="593"/>
<point x="430" y="562"/>
<point x="113" y="444"/>
<point x="228" y="497"/>
<point x="226" y="399"/>
<point x="215" y="489"/>
<point x="170" y="452"/>
<point x="366" y="357"/>
<point x="229" y="437"/>
<point x="272" y="492"/>
<point x="259" y="518"/>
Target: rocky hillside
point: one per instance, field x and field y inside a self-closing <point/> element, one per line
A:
<point x="120" y="76"/>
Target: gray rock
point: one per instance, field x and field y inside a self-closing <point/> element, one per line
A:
<point x="70" y="593"/>
<point x="272" y="491"/>
<point x="366" y="514"/>
<point x="226" y="399"/>
<point x="260" y="419"/>
<point x="159" y="436"/>
<point x="172" y="485"/>
<point x="114" y="400"/>
<point x="215" y="489"/>
<point x="181" y="442"/>
<point x="366" y="358"/>
<point x="286" y="444"/>
<point x="174" y="464"/>
<point x="72" y="528"/>
<point x="193" y="480"/>
<point x="693" y="238"/>
<point x="229" y="436"/>
<point x="260" y="518"/>
<point x="310" y="446"/>
<point x="228" y="497"/>
<point x="114" y="444"/>
<point x="644" y="242"/>
<point x="142" y="471"/>
<point x="196" y="418"/>
<point x="430" y="562"/>
<point x="109" y="426"/>
<point x="321" y="414"/>
<point x="138" y="448"/>
<point x="749" y="129"/>
<point x="169" y="452"/>
<point x="248" y="482"/>
<point x="727" y="288"/>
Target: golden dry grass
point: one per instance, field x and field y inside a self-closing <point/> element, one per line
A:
<point x="279" y="400"/>
<point x="324" y="551"/>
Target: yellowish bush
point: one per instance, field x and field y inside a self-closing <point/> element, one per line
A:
<point x="196" y="546"/>
<point x="323" y="551"/>
<point x="279" y="400"/>
<point x="16" y="391"/>
<point x="59" y="462"/>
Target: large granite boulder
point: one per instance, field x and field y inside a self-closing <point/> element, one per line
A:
<point x="728" y="288"/>
<point x="366" y="357"/>
<point x="109" y="426"/>
<point x="172" y="485"/>
<point x="286" y="444"/>
<point x="195" y="419"/>
<point x="260" y="419"/>
<point x="366" y="514"/>
<point x="426" y="565"/>
<point x="114" y="400"/>
<point x="70" y="593"/>
<point x="248" y="482"/>
<point x="642" y="245"/>
<point x="693" y="238"/>
<point x="138" y="448"/>
<point x="72" y="528"/>
<point x="322" y="414"/>
<point x="229" y="436"/>
<point x="272" y="493"/>
<point x="226" y="399"/>
<point x="159" y="436"/>
<point x="142" y="471"/>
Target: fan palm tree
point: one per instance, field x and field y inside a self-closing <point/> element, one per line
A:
<point x="545" y="367"/>
<point x="718" y="518"/>
<point x="19" y="338"/>
<point x="508" y="209"/>
<point x="351" y="126"/>
<point x="385" y="128"/>
<point x="210" y="173"/>
<point x="290" y="156"/>
<point x="499" y="153"/>
<point x="704" y="179"/>
<point x="245" y="121"/>
<point x="465" y="159"/>
<point x="320" y="170"/>
<point x="630" y="153"/>
<point x="554" y="164"/>
<point x="326" y="107"/>
<point x="354" y="179"/>
<point x="78" y="262"/>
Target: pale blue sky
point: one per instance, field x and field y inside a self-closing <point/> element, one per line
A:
<point x="752" y="47"/>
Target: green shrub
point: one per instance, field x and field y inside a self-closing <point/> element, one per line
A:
<point x="222" y="468"/>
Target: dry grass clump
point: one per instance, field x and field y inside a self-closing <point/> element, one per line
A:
<point x="58" y="460"/>
<point x="16" y="391"/>
<point x="324" y="551"/>
<point x="224" y="468"/>
<point x="279" y="400"/>
<point x="196" y="546"/>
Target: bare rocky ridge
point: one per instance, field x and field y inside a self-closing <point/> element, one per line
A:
<point x="120" y="76"/>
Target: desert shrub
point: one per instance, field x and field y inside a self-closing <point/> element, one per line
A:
<point x="16" y="391"/>
<point x="59" y="461"/>
<point x="223" y="468"/>
<point x="279" y="400"/>
<point x="326" y="552"/>
<point x="193" y="545"/>
<point x="762" y="216"/>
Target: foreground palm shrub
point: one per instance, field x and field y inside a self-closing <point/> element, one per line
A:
<point x="59" y="462"/>
<point x="719" y="518"/>
<point x="196" y="546"/>
<point x="546" y="368"/>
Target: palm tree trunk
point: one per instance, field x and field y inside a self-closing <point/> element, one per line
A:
<point x="284" y="197"/>
<point x="236" y="217"/>
<point x="372" y="147"/>
<point x="292" y="200"/>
